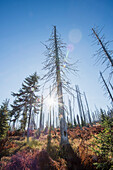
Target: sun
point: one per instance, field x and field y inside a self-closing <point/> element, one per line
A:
<point x="51" y="101"/>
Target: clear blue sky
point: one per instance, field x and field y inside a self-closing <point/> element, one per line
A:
<point x="26" y="23"/>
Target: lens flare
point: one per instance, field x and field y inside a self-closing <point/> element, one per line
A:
<point x="50" y="101"/>
<point x="75" y="35"/>
<point x="70" y="47"/>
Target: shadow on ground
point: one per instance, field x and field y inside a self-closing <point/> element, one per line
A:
<point x="66" y="156"/>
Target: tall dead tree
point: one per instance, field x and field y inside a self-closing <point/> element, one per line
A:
<point x="41" y="110"/>
<point x="78" y="121"/>
<point x="89" y="117"/>
<point x="79" y="106"/>
<point x="103" y="51"/>
<point x="43" y="121"/>
<point x="56" y="123"/>
<point x="53" y="118"/>
<point x="93" y="116"/>
<point x="70" y="111"/>
<point x="50" y="109"/>
<point x="48" y="120"/>
<point x="74" y="108"/>
<point x="75" y="124"/>
<point x="82" y="108"/>
<point x="57" y="66"/>
<point x="106" y="86"/>
<point x="37" y="122"/>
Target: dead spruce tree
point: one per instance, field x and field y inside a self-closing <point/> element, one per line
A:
<point x="53" y="118"/>
<point x="106" y="87"/>
<point x="80" y="106"/>
<point x="104" y="54"/>
<point x="41" y="112"/>
<point x="70" y="111"/>
<point x="88" y="109"/>
<point x="57" y="66"/>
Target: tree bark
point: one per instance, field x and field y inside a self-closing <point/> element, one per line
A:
<point x="63" y="125"/>
<point x="29" y="123"/>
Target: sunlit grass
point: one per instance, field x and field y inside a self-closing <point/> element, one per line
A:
<point x="37" y="144"/>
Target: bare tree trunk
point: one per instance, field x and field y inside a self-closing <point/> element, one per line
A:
<point x="41" y="110"/>
<point x="56" y="123"/>
<point x="75" y="124"/>
<point x="79" y="106"/>
<point x="30" y="110"/>
<point x="48" y="120"/>
<point x="110" y="95"/>
<point x="82" y="109"/>
<point x="88" y="110"/>
<point x="93" y="115"/>
<point x="14" y="125"/>
<point x="43" y="120"/>
<point x="37" y="122"/>
<point x="50" y="109"/>
<point x="103" y="47"/>
<point x="53" y="117"/>
<point x="63" y="125"/>
<point x="78" y="121"/>
<point x="70" y="111"/>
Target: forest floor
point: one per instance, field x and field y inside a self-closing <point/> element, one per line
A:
<point x="44" y="152"/>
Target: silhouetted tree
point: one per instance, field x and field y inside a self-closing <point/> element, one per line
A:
<point x="27" y="100"/>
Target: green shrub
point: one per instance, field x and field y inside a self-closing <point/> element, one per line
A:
<point x="34" y="143"/>
<point x="104" y="144"/>
<point x="4" y="118"/>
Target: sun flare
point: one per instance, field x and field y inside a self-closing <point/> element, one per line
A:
<point x="51" y="101"/>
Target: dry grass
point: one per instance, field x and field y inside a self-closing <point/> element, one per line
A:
<point x="80" y="142"/>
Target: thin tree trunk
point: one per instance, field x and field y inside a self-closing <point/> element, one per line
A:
<point x="78" y="121"/>
<point x="43" y="120"/>
<point x="29" y="123"/>
<point x="48" y="120"/>
<point x="79" y="106"/>
<point x="50" y="109"/>
<point x="37" y="122"/>
<point x="82" y="109"/>
<point x="70" y="111"/>
<point x="56" y="123"/>
<point x="103" y="47"/>
<point x="14" y="125"/>
<point x="106" y="87"/>
<point x="53" y="118"/>
<point x="41" y="110"/>
<point x="63" y="125"/>
<point x="88" y="110"/>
